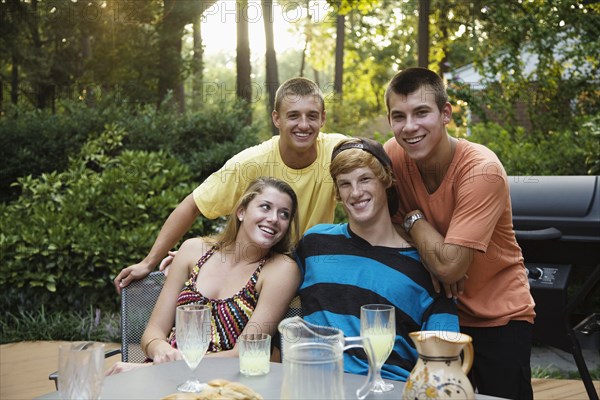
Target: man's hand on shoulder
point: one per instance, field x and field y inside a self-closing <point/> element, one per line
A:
<point x="166" y="262"/>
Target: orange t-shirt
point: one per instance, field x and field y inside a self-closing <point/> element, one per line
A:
<point x="472" y="208"/>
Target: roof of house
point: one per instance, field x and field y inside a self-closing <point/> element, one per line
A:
<point x="529" y="60"/>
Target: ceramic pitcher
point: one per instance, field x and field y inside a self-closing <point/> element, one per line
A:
<point x="313" y="363"/>
<point x="439" y="372"/>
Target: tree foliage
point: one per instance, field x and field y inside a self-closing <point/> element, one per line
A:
<point x="525" y="154"/>
<point x="540" y="54"/>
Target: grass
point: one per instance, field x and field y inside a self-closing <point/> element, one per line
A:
<point x="40" y="325"/>
<point x="551" y="372"/>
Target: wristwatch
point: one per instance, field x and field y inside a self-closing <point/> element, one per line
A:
<point x="410" y="221"/>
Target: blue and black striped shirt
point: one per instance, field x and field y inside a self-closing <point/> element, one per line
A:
<point x="342" y="272"/>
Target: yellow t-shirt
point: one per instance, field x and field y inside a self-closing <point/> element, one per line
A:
<point x="313" y="185"/>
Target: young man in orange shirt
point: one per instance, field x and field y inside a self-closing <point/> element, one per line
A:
<point x="455" y="205"/>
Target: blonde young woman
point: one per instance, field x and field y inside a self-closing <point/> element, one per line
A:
<point x="244" y="275"/>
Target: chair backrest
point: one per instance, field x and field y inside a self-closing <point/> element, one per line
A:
<point x="137" y="303"/>
<point x="295" y="308"/>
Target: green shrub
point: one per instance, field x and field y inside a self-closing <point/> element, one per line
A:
<point x="555" y="153"/>
<point x="91" y="187"/>
<point x="36" y="142"/>
<point x="69" y="233"/>
<point x="203" y="140"/>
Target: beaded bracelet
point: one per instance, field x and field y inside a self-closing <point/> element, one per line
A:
<point x="145" y="349"/>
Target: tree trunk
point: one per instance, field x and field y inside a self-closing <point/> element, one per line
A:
<point x="170" y="52"/>
<point x="308" y="36"/>
<point x="423" y="33"/>
<point x="444" y="8"/>
<point x="303" y="58"/>
<point x="339" y="56"/>
<point x="89" y="94"/>
<point x="14" y="79"/>
<point x="243" y="83"/>
<point x="42" y="91"/>
<point x="272" y="77"/>
<point x="198" y="8"/>
<point x="197" y="63"/>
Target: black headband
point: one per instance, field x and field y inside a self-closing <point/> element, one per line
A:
<point x="365" y="146"/>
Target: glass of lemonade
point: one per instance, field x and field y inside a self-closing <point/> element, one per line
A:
<point x="193" y="329"/>
<point x="255" y="353"/>
<point x="378" y="323"/>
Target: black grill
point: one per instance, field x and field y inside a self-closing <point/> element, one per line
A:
<point x="557" y="224"/>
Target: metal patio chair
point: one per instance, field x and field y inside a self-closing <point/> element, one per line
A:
<point x="137" y="303"/>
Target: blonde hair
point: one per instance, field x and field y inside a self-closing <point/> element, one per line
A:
<point x="354" y="153"/>
<point x="229" y="234"/>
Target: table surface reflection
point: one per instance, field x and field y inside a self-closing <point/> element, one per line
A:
<point x="160" y="380"/>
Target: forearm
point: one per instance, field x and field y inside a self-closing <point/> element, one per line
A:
<point x="448" y="262"/>
<point x="151" y="341"/>
<point x="178" y="223"/>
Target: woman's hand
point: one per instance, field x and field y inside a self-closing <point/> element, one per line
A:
<point x="121" y="366"/>
<point x="165" y="353"/>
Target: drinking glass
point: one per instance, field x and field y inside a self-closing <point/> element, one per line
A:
<point x="193" y="330"/>
<point x="80" y="370"/>
<point x="255" y="351"/>
<point x="378" y="323"/>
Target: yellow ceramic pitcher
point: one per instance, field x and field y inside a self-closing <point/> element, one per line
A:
<point x="439" y="372"/>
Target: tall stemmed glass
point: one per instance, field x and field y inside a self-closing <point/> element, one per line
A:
<point x="193" y="330"/>
<point x="378" y="323"/>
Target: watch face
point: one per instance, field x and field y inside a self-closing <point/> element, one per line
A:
<point x="408" y="223"/>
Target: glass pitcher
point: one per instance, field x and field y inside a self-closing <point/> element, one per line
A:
<point x="313" y="362"/>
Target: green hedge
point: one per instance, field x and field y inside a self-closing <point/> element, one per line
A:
<point x="91" y="190"/>
<point x="203" y="140"/>
<point x="36" y="142"/>
<point x="575" y="152"/>
<point x="70" y="232"/>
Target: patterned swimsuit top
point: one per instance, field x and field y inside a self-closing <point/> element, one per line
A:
<point x="228" y="316"/>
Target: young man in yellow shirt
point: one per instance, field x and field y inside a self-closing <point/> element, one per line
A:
<point x="300" y="155"/>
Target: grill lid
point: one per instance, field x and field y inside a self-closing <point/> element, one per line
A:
<point x="556" y="207"/>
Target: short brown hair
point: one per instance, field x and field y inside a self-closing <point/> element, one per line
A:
<point x="294" y="88"/>
<point x="410" y="80"/>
